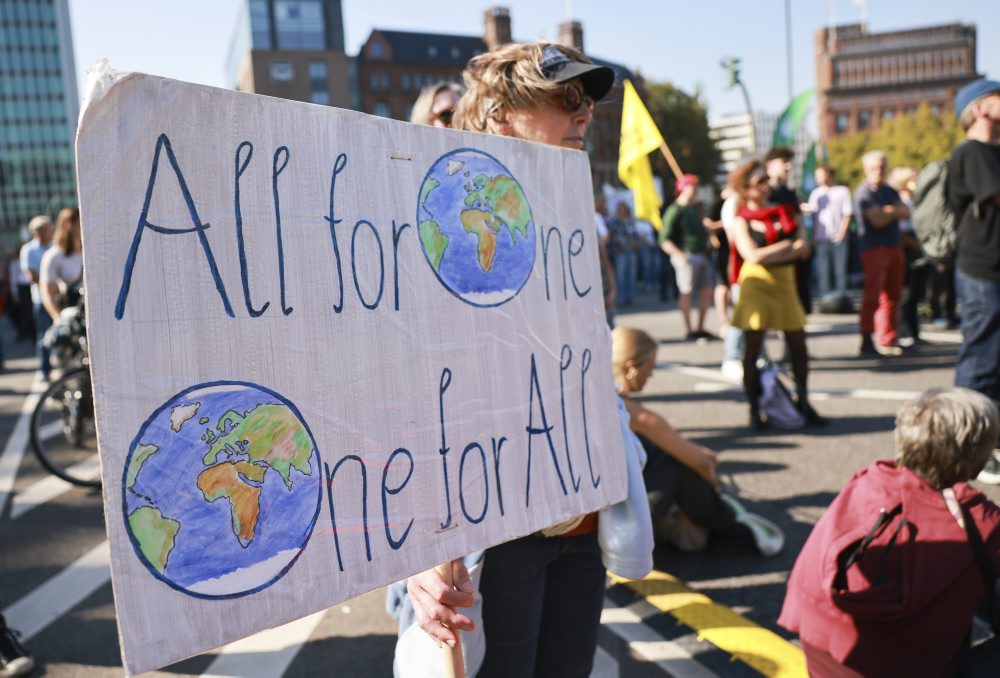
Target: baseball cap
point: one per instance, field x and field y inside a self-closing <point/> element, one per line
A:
<point x="974" y="90"/>
<point x="684" y="181"/>
<point x="560" y="67"/>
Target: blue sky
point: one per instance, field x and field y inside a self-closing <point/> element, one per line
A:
<point x="681" y="42"/>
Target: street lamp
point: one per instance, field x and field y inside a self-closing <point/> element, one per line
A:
<point x="731" y="65"/>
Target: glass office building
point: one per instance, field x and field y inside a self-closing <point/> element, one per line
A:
<point x="292" y="49"/>
<point x="38" y="112"/>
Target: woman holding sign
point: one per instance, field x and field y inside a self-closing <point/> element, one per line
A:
<point x="542" y="594"/>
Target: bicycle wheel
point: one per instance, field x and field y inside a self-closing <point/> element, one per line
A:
<point x="62" y="429"/>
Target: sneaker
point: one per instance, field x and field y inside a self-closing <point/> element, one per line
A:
<point x="768" y="537"/>
<point x="889" y="351"/>
<point x="732" y="370"/>
<point x="14" y="658"/>
<point x="991" y="472"/>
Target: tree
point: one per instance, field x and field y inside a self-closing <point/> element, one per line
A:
<point x="909" y="141"/>
<point x="683" y="121"/>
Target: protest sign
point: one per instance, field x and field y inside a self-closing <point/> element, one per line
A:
<point x="329" y="350"/>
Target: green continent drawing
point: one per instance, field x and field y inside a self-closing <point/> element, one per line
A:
<point x="155" y="534"/>
<point x="426" y="188"/>
<point x="267" y="433"/>
<point x="434" y="241"/>
<point x="505" y="199"/>
<point x="141" y="453"/>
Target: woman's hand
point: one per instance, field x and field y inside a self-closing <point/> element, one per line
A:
<point x="433" y="601"/>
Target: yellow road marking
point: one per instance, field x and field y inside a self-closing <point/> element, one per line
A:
<point x="763" y="650"/>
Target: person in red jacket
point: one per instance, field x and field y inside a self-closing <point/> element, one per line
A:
<point x="888" y="582"/>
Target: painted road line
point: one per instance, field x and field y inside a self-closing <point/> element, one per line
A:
<point x="943" y="337"/>
<point x="264" y="654"/>
<point x="645" y="644"/>
<point x="763" y="650"/>
<point x="17" y="443"/>
<point x="49" y="488"/>
<point x="61" y="593"/>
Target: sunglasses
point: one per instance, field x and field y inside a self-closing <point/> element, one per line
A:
<point x="571" y="99"/>
<point x="446" y="116"/>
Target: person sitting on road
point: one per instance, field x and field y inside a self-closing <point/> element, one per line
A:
<point x="681" y="476"/>
<point x="61" y="269"/>
<point x="888" y="581"/>
<point x="15" y="660"/>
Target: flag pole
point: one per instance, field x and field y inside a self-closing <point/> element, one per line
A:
<point x="671" y="160"/>
<point x="454" y="662"/>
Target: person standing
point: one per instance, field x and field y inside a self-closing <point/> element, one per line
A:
<point x="830" y="206"/>
<point x="878" y="209"/>
<point x="974" y="195"/>
<point x="685" y="239"/>
<point x="31" y="263"/>
<point x="624" y="247"/>
<point x="904" y="180"/>
<point x="778" y="163"/>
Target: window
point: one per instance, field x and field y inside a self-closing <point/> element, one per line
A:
<point x="321" y="97"/>
<point x="282" y="71"/>
<point x="405" y="81"/>
<point x="299" y="24"/>
<point x="260" y="24"/>
<point x="317" y="71"/>
<point x="455" y="53"/>
<point x="381" y="109"/>
<point x="888" y="114"/>
<point x="864" y="119"/>
<point x="377" y="51"/>
<point x="432" y="51"/>
<point x="842" y="121"/>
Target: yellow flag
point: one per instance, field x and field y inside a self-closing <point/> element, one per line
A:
<point x="639" y="138"/>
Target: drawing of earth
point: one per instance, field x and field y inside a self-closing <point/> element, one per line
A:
<point x="221" y="490"/>
<point x="476" y="227"/>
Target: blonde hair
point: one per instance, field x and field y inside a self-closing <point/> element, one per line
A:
<point x="67" y="238"/>
<point x="946" y="435"/>
<point x="900" y="178"/>
<point x="508" y="78"/>
<point x="630" y="345"/>
<point x="421" y="111"/>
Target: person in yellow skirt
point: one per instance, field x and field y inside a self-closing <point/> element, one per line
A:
<point x="768" y="242"/>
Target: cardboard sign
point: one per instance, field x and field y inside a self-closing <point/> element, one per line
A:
<point x="329" y="350"/>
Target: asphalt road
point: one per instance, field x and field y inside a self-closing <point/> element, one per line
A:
<point x="54" y="582"/>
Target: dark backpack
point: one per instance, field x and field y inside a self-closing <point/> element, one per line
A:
<point x="934" y="222"/>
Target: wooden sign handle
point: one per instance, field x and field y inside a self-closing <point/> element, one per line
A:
<point x="454" y="662"/>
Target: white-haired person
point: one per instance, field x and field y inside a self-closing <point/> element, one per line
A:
<point x="889" y="580"/>
<point x="541" y="594"/>
<point x="435" y="105"/>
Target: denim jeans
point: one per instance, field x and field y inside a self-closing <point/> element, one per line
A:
<point x="978" y="365"/>
<point x="542" y="600"/>
<point x="626" y="265"/>
<point x="43" y="321"/>
<point x="831" y="259"/>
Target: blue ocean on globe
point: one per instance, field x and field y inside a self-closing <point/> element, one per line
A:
<point x="476" y="227"/>
<point x="222" y="489"/>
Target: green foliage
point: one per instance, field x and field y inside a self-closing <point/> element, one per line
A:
<point x="909" y="141"/>
<point x="683" y="121"/>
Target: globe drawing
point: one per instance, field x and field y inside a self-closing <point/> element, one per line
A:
<point x="221" y="490"/>
<point x="476" y="227"/>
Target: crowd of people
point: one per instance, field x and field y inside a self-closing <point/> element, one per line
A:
<point x="890" y="558"/>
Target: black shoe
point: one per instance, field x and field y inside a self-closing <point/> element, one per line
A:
<point x="14" y="658"/>
<point x="813" y="417"/>
<point x="868" y="350"/>
<point x="691" y="336"/>
<point x="757" y="424"/>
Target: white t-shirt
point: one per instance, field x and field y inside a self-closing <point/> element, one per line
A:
<point x="829" y="206"/>
<point x="729" y="215"/>
<point x="601" y="225"/>
<point x="64" y="269"/>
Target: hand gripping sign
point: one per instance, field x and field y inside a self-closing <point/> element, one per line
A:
<point x="329" y="350"/>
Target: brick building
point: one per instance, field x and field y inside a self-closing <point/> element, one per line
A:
<point x="863" y="78"/>
<point x="393" y="65"/>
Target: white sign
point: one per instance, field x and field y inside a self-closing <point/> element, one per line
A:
<point x="329" y="351"/>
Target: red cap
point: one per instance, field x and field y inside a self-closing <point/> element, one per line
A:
<point x="684" y="181"/>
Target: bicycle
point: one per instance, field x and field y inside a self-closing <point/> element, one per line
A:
<point x="63" y="434"/>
